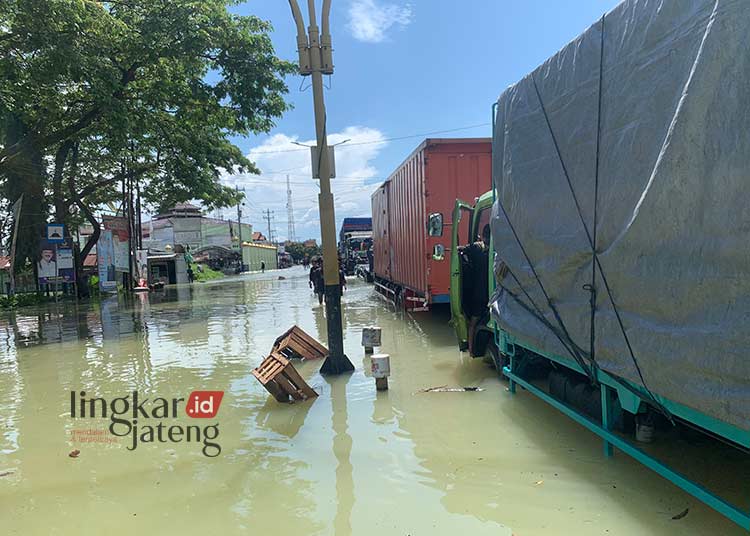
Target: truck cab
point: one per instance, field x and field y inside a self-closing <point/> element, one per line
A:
<point x="472" y="281"/>
<point x="354" y="250"/>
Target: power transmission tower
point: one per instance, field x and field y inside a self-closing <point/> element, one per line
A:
<point x="268" y="216"/>
<point x="289" y="213"/>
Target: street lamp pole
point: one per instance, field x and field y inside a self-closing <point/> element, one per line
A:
<point x="316" y="59"/>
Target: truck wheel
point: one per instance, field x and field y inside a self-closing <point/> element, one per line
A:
<point x="498" y="359"/>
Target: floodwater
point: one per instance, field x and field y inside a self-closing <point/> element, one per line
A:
<point x="352" y="461"/>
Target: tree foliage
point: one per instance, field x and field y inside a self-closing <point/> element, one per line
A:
<point x="148" y="90"/>
<point x="299" y="251"/>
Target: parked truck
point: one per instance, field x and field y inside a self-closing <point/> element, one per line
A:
<point x="617" y="283"/>
<point x="355" y="241"/>
<point x="410" y="263"/>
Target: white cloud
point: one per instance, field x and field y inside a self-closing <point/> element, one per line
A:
<point x="369" y="20"/>
<point x="278" y="156"/>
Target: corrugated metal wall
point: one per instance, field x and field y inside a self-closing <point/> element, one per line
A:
<point x="454" y="171"/>
<point x="253" y="254"/>
<point x="408" y="224"/>
<point x="380" y="234"/>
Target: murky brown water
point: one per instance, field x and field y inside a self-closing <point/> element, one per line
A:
<point x="352" y="461"/>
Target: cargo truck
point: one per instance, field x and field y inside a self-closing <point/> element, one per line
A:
<point x="355" y="241"/>
<point x="411" y="264"/>
<point x="617" y="262"/>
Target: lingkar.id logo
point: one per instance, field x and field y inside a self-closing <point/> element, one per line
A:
<point x="130" y="416"/>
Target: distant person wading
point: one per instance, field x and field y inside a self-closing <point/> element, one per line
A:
<point x="317" y="282"/>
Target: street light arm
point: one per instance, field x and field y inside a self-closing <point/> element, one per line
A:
<point x="325" y="39"/>
<point x="303" y="46"/>
<point x="324" y="19"/>
<point x="313" y="19"/>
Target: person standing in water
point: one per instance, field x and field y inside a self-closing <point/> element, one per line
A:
<point x="317" y="282"/>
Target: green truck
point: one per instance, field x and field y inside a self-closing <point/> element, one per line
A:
<point x="472" y="281"/>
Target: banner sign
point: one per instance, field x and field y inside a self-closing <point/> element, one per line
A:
<point x="120" y="241"/>
<point x="141" y="264"/>
<point x="56" y="262"/>
<point x="105" y="255"/>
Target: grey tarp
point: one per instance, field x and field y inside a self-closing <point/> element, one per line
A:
<point x="673" y="204"/>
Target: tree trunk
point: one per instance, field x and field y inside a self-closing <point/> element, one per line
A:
<point x="58" y="197"/>
<point x="25" y="175"/>
<point x="79" y="258"/>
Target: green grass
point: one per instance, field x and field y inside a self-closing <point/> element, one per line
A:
<point x="23" y="300"/>
<point x="207" y="274"/>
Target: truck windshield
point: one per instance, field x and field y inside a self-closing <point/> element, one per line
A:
<point x="482" y="221"/>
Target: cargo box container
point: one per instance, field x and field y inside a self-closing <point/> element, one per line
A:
<point x="411" y="267"/>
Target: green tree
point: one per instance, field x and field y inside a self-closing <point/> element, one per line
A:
<point x="299" y="251"/>
<point x="144" y="91"/>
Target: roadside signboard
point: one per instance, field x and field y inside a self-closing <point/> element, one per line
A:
<point x="105" y="255"/>
<point x="55" y="233"/>
<point x="56" y="262"/>
<point x="120" y="241"/>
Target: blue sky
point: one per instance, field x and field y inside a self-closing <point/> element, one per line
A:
<point x="401" y="68"/>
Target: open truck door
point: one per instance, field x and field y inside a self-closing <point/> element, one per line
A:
<point x="458" y="317"/>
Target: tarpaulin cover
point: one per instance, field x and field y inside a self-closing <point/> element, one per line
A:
<point x="672" y="204"/>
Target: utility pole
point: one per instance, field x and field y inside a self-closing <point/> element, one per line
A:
<point x="239" y="216"/>
<point x="289" y="213"/>
<point x="316" y="59"/>
<point x="268" y="216"/>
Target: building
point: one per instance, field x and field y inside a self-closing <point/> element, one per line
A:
<point x="259" y="237"/>
<point x="168" y="268"/>
<point x="185" y="225"/>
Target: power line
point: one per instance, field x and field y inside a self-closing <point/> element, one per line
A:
<point x="385" y="140"/>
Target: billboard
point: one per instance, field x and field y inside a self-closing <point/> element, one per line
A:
<point x="120" y="241"/>
<point x="105" y="255"/>
<point x="55" y="262"/>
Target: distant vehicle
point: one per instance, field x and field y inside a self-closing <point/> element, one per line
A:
<point x="355" y="240"/>
<point x="410" y="211"/>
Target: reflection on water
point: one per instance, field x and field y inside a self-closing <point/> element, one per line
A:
<point x="353" y="461"/>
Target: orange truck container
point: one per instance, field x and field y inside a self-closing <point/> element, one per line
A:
<point x="429" y="181"/>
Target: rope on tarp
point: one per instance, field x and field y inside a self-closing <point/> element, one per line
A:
<point x="594" y="256"/>
<point x="571" y="346"/>
<point x="592" y="245"/>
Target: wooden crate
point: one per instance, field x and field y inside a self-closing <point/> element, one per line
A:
<point x="295" y="343"/>
<point x="282" y="380"/>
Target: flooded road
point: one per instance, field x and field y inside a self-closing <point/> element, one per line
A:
<point x="353" y="461"/>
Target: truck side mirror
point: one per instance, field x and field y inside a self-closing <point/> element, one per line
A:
<point x="435" y="224"/>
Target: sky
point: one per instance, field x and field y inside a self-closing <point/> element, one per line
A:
<point x="409" y="70"/>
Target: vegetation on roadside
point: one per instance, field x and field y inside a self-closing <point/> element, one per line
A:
<point x="21" y="300"/>
<point x="205" y="273"/>
<point x="299" y="251"/>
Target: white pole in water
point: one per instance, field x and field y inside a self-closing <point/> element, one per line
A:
<point x="370" y="338"/>
<point x="381" y="369"/>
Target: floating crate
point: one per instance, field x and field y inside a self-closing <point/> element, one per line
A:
<point x="281" y="379"/>
<point x="295" y="343"/>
